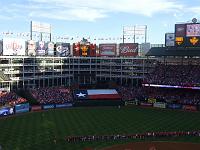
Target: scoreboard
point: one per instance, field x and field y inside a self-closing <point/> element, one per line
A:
<point x="193" y="35"/>
<point x="180" y="34"/>
<point x="187" y="35"/>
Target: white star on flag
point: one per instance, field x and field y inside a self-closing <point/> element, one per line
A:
<point x="81" y="95"/>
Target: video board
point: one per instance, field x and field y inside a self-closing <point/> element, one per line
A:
<point x="192" y="30"/>
<point x="193" y="35"/>
<point x="180" y="34"/>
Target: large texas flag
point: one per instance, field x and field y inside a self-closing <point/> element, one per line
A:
<point x="96" y="94"/>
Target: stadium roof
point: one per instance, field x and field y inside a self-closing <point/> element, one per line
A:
<point x="173" y="51"/>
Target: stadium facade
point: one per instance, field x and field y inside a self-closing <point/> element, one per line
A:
<point x="33" y="64"/>
<point x="28" y="71"/>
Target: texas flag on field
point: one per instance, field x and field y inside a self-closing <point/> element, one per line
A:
<point x="95" y="94"/>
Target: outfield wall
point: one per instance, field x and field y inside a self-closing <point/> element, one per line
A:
<point x="25" y="107"/>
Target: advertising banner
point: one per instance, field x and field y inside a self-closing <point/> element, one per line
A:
<point x="31" y="48"/>
<point x="127" y="103"/>
<point x="193" y="41"/>
<point x="65" y="49"/>
<point x="107" y="49"/>
<point x="64" y="105"/>
<point x="85" y="50"/>
<point x="159" y="105"/>
<point x="169" y="39"/>
<point x="146" y="104"/>
<point x="128" y="49"/>
<point x="4" y="111"/>
<point x="51" y="106"/>
<point x="180" y="34"/>
<point x="14" y="46"/>
<point x="92" y="50"/>
<point x="180" y="30"/>
<point x="41" y="48"/>
<point x="190" y="107"/>
<point x="151" y="100"/>
<point x="76" y="49"/>
<point x="62" y="49"/>
<point x="36" y="108"/>
<point x="174" y="106"/>
<point x="50" y="48"/>
<point x="20" y="108"/>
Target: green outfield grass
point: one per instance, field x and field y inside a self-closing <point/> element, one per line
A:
<point x="35" y="131"/>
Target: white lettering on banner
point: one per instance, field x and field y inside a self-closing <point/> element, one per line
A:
<point x="107" y="47"/>
<point x="127" y="49"/>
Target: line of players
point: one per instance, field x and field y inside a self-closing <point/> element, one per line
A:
<point x="74" y="139"/>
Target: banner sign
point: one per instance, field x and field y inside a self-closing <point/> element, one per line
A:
<point x="180" y="32"/>
<point x="20" y="108"/>
<point x="4" y="111"/>
<point x="41" y="48"/>
<point x="128" y="49"/>
<point x="48" y="106"/>
<point x="107" y="49"/>
<point x="174" y="106"/>
<point x="159" y="105"/>
<point x="93" y="50"/>
<point x="193" y="41"/>
<point x="36" y="108"/>
<point x="64" y="105"/>
<point x="190" y="107"/>
<point x="62" y="49"/>
<point x="31" y="48"/>
<point x="169" y="39"/>
<point x="13" y="46"/>
<point x="151" y="100"/>
<point x="145" y="104"/>
<point x="131" y="103"/>
<point x="76" y="49"/>
<point x="50" y="48"/>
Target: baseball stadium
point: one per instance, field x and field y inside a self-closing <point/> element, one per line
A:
<point x="106" y="96"/>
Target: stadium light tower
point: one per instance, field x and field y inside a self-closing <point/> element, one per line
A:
<point x="133" y="31"/>
<point x="41" y="28"/>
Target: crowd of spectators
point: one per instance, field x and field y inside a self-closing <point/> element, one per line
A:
<point x="52" y="95"/>
<point x="10" y="98"/>
<point x="177" y="75"/>
<point x="169" y="95"/>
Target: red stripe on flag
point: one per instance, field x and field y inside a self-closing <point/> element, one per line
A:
<point x="104" y="96"/>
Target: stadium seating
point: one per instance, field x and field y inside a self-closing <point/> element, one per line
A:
<point x="10" y="98"/>
<point x="178" y="75"/>
<point x="182" y="96"/>
<point x="52" y="95"/>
